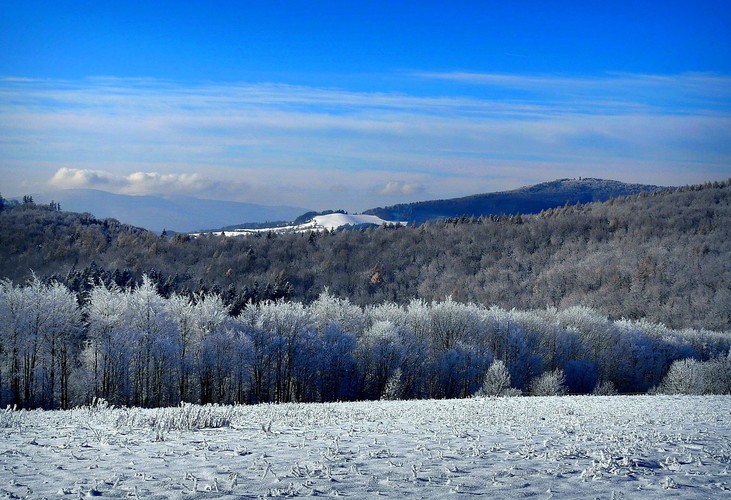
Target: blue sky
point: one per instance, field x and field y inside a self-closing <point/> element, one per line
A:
<point x="359" y="104"/>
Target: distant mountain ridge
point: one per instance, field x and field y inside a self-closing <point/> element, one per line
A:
<point x="188" y="214"/>
<point x="159" y="212"/>
<point x="525" y="200"/>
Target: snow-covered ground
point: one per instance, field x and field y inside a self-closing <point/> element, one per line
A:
<point x="318" y="223"/>
<point x="554" y="447"/>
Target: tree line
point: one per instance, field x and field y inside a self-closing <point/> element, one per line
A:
<point x="132" y="346"/>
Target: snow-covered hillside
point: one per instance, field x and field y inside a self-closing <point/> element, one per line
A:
<point x="552" y="447"/>
<point x="318" y="223"/>
<point x="336" y="220"/>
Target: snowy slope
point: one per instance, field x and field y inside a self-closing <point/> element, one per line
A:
<point x="552" y="447"/>
<point x="318" y="223"/>
<point x="336" y="220"/>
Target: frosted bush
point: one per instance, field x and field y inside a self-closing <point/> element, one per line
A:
<point x="188" y="417"/>
<point x="10" y="418"/>
<point x="497" y="382"/>
<point x="606" y="388"/>
<point x="717" y="375"/>
<point x="684" y="377"/>
<point x="394" y="387"/>
<point x="549" y="384"/>
<point x="98" y="405"/>
<point x="689" y="376"/>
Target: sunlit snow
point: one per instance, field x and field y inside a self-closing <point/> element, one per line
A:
<point x="318" y="223"/>
<point x="553" y="447"/>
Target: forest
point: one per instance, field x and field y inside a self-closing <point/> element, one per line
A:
<point x="630" y="295"/>
<point x="133" y="347"/>
<point x="664" y="257"/>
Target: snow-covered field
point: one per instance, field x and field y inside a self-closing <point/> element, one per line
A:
<point x="554" y="447"/>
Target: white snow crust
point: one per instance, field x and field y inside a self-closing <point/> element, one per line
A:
<point x="550" y="447"/>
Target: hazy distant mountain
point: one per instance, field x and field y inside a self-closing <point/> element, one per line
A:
<point x="158" y="212"/>
<point x="526" y="200"/>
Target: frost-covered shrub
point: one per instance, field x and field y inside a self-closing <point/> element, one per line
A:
<point x="185" y="417"/>
<point x="688" y="376"/>
<point x="189" y="416"/>
<point x="606" y="388"/>
<point x="497" y="382"/>
<point x="549" y="384"/>
<point x="717" y="375"/>
<point x="394" y="387"/>
<point x="684" y="377"/>
<point x="10" y="418"/>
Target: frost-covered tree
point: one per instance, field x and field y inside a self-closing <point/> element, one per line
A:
<point x="379" y="355"/>
<point x="393" y="389"/>
<point x="458" y="371"/>
<point x="109" y="347"/>
<point x="551" y="383"/>
<point x="152" y="331"/>
<point x="605" y="388"/>
<point x="39" y="338"/>
<point x="328" y="309"/>
<point x="684" y="377"/>
<point x="497" y="382"/>
<point x="450" y="322"/>
<point x="183" y="312"/>
<point x="212" y="348"/>
<point x="60" y="343"/>
<point x="338" y="370"/>
<point x="689" y="376"/>
<point x="717" y="374"/>
<point x="262" y="355"/>
<point x="287" y="326"/>
<point x="12" y="312"/>
<point x="138" y="347"/>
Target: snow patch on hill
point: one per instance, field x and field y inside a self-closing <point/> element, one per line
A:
<point x="336" y="220"/>
<point x="317" y="223"/>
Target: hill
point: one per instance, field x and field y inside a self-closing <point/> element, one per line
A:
<point x="661" y="256"/>
<point x="526" y="200"/>
<point x="307" y="223"/>
<point x="160" y="212"/>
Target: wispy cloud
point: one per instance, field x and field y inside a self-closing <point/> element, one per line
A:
<point x="336" y="147"/>
<point x="702" y="82"/>
<point x="609" y="93"/>
<point x="392" y="188"/>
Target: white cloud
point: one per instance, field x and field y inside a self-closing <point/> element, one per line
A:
<point x="392" y="188"/>
<point x="69" y="178"/>
<point x="134" y="183"/>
